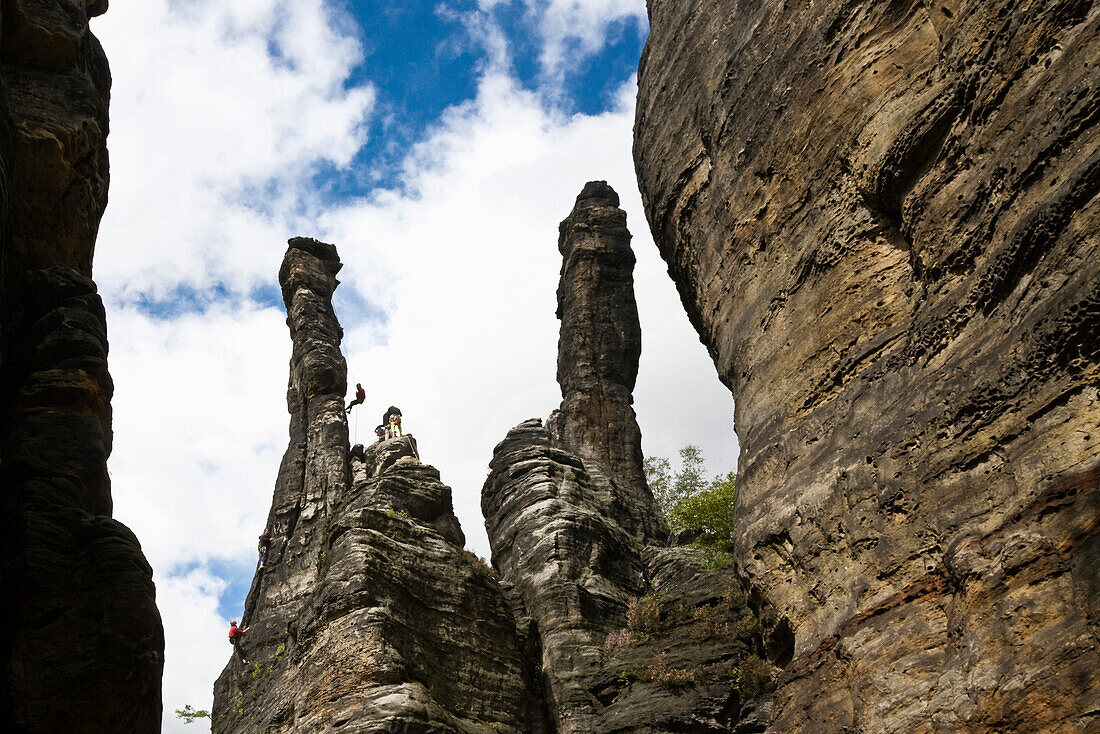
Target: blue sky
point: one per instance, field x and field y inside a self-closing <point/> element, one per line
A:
<point x="437" y="145"/>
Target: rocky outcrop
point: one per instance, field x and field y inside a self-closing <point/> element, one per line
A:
<point x="368" y="616"/>
<point x="882" y="219"/>
<point x="82" y="643"/>
<point x="622" y="640"/>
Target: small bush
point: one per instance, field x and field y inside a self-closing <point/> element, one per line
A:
<point x="717" y="560"/>
<point x="732" y="596"/>
<point x="747" y="627"/>
<point x="480" y="565"/>
<point x="750" y="677"/>
<point x="618" y="639"/>
<point x="643" y="613"/>
<point x="189" y="714"/>
<point x="712" y="621"/>
<point x="661" y="673"/>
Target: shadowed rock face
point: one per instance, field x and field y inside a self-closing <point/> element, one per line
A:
<point x="368" y="616"/>
<point x="882" y="218"/>
<point x="574" y="528"/>
<point x="82" y="644"/>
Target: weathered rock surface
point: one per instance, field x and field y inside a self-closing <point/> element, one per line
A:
<point x="369" y="615"/>
<point x="575" y="532"/>
<point x="882" y="219"/>
<point x="82" y="643"/>
<point x="598" y="349"/>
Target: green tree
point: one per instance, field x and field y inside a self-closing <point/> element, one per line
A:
<point x="710" y="512"/>
<point x="658" y="474"/>
<point x="670" y="489"/>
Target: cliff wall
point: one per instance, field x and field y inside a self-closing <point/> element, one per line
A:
<point x="82" y="644"/>
<point x="882" y="219"/>
<point x="368" y="616"/>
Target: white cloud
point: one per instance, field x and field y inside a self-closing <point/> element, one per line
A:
<point x="195" y="643"/>
<point x="569" y="30"/>
<point x="463" y="260"/>
<point x="471" y="345"/>
<point x="219" y="112"/>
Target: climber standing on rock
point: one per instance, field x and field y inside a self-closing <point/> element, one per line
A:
<point x="265" y="543"/>
<point x="235" y="635"/>
<point x="380" y="431"/>
<point x="391" y="419"/>
<point x="360" y="396"/>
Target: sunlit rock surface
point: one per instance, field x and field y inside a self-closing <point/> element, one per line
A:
<point x="882" y="219"/>
<point x="82" y="645"/>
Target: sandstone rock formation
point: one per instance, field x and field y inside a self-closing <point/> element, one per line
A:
<point x="882" y="219"/>
<point x="82" y="644"/>
<point x="369" y="615"/>
<point x="577" y="539"/>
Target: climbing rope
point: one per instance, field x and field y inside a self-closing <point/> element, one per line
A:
<point x="355" y="423"/>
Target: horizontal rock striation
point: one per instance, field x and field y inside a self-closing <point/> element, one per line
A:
<point x="368" y="616"/>
<point x="82" y="644"/>
<point x="882" y="219"/>
<point x="576" y="534"/>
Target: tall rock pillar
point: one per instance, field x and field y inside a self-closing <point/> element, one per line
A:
<point x="81" y="647"/>
<point x="368" y="614"/>
<point x="566" y="505"/>
<point x="599" y="345"/>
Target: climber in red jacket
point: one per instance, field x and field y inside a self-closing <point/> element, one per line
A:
<point x="235" y="635"/>
<point x="360" y="396"/>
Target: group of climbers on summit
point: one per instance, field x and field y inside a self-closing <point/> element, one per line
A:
<point x="391" y="419"/>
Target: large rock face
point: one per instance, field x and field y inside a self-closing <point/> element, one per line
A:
<point x="82" y="644"/>
<point x="882" y="219"/>
<point x="369" y="616"/>
<point x="575" y="532"/>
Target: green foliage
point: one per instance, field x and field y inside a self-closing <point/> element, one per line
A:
<point x="643" y="613"/>
<point x="750" y="677"/>
<point x="717" y="559"/>
<point x="689" y="502"/>
<point x="690" y="480"/>
<point x="240" y="706"/>
<point x="670" y="489"/>
<point x="658" y="474"/>
<point x="189" y="714"/>
<point x="710" y="512"/>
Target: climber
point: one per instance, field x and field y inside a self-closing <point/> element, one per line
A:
<point x="391" y="419"/>
<point x="380" y="431"/>
<point x="265" y="543"/>
<point x="360" y="396"/>
<point x="235" y="635"/>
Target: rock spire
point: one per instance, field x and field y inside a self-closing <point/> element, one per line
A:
<point x="576" y="537"/>
<point x="599" y="345"/>
<point x="368" y="614"/>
